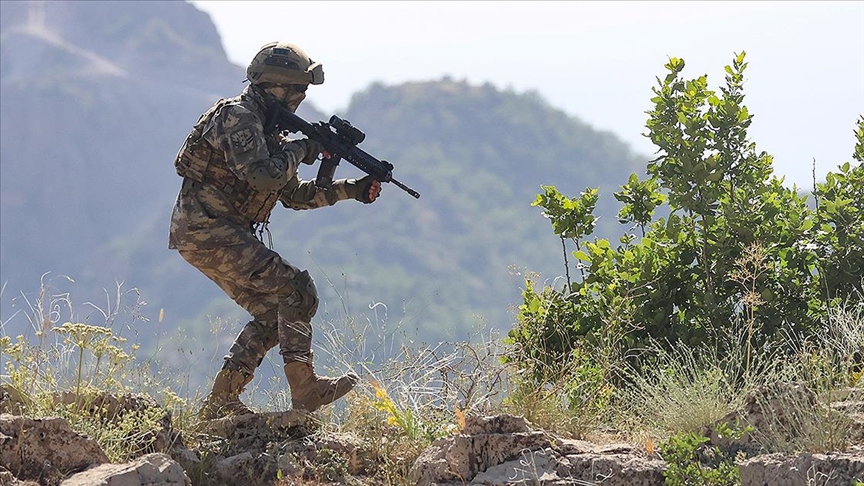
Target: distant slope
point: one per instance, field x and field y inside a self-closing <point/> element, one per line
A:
<point x="97" y="97"/>
<point x="478" y="155"/>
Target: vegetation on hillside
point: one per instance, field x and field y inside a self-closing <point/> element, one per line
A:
<point x="477" y="155"/>
<point x="735" y="246"/>
<point x="741" y="284"/>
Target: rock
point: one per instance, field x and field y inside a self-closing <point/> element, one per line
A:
<point x="151" y="470"/>
<point x="253" y="449"/>
<point x="262" y="426"/>
<point x="325" y="455"/>
<point x="840" y="469"/>
<point x="102" y="404"/>
<point x="113" y="408"/>
<point x="319" y="449"/>
<point x="608" y="464"/>
<point x="497" y="424"/>
<point x="504" y="450"/>
<point x="532" y="467"/>
<point x="544" y="467"/>
<point x="631" y="469"/>
<point x="45" y="448"/>
<point x="239" y="469"/>
<point x="287" y="463"/>
<point x="7" y="478"/>
<point x="492" y="441"/>
<point x="187" y="458"/>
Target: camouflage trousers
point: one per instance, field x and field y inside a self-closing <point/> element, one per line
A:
<point x="257" y="279"/>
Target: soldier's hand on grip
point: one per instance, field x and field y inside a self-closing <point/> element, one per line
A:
<point x="368" y="189"/>
<point x="305" y="150"/>
<point x="313" y="149"/>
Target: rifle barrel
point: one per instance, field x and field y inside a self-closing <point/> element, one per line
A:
<point x="405" y="188"/>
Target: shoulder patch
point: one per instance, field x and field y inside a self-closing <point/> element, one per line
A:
<point x="242" y="139"/>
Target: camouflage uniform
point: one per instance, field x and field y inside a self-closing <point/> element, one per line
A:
<point x="217" y="210"/>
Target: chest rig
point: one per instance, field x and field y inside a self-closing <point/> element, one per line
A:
<point x="199" y="161"/>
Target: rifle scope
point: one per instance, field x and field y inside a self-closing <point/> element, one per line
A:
<point x="346" y="130"/>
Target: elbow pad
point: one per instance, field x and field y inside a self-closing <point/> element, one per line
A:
<point x="265" y="176"/>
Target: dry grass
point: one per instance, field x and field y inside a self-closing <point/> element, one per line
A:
<point x="411" y="395"/>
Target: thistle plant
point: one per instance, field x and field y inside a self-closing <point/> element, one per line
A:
<point x="749" y="268"/>
<point x="100" y="348"/>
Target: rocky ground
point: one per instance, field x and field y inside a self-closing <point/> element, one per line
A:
<point x="283" y="447"/>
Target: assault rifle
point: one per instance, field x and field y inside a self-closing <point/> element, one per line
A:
<point x="340" y="139"/>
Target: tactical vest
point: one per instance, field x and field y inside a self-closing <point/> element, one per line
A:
<point x="199" y="161"/>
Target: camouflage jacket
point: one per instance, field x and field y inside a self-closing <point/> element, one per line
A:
<point x="215" y="206"/>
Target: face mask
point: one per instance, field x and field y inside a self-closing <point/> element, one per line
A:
<point x="291" y="95"/>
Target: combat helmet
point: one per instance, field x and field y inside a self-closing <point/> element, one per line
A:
<point x="284" y="63"/>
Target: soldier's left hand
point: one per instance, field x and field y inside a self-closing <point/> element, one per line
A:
<point x="368" y="189"/>
<point x="374" y="190"/>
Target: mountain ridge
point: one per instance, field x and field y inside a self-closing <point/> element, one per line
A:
<point x="87" y="181"/>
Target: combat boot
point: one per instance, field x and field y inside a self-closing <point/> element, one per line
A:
<point x="310" y="392"/>
<point x="224" y="399"/>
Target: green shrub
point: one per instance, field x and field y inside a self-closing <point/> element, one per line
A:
<point x="692" y="462"/>
<point x="734" y="244"/>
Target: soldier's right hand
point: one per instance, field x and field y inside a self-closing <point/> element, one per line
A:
<point x="310" y="148"/>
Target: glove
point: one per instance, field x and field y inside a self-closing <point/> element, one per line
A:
<point x="361" y="188"/>
<point x="305" y="150"/>
<point x="312" y="149"/>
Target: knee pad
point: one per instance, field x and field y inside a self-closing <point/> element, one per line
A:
<point x="303" y="287"/>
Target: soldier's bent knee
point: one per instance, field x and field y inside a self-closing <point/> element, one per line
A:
<point x="303" y="287"/>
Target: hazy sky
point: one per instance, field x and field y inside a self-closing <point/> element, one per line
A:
<point x="594" y="60"/>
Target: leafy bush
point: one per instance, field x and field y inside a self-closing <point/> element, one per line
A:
<point x="734" y="244"/>
<point x="693" y="462"/>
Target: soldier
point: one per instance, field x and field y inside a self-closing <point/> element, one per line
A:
<point x="235" y="169"/>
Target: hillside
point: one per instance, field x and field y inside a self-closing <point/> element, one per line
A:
<point x="665" y="364"/>
<point x="97" y="97"/>
<point x="96" y="100"/>
<point x="87" y="181"/>
<point x="478" y="156"/>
